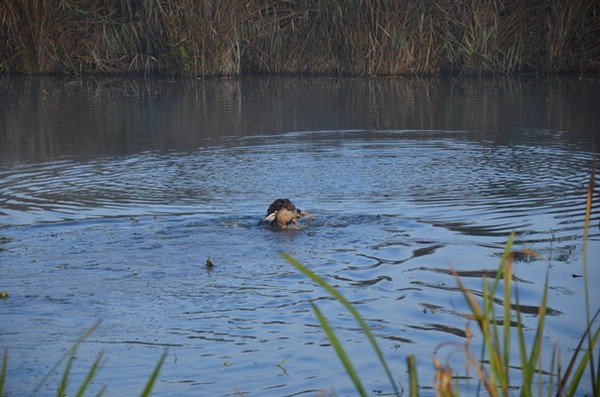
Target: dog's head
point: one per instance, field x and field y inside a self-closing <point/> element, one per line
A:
<point x="281" y="204"/>
<point x="283" y="212"/>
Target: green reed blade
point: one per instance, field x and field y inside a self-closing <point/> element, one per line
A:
<point x="351" y="309"/>
<point x="498" y="367"/>
<point x="412" y="372"/>
<point x="68" y="354"/>
<point x="586" y="227"/>
<point x="337" y="346"/>
<point x="501" y="351"/>
<point x="552" y="374"/>
<point x="507" y="275"/>
<point x="62" y="388"/>
<point x="154" y="376"/>
<point x="3" y="373"/>
<point x="522" y="343"/>
<point x="89" y="376"/>
<point x="488" y="324"/>
<point x="539" y="334"/>
<point x="585" y="360"/>
<point x="505" y="259"/>
<point x="101" y="392"/>
<point x="482" y="321"/>
<point x="597" y="380"/>
<point x="490" y="336"/>
<point x="529" y="364"/>
<point x="578" y="349"/>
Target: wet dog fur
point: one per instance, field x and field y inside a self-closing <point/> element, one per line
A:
<point x="283" y="214"/>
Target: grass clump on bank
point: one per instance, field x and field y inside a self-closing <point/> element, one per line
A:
<point x="357" y="37"/>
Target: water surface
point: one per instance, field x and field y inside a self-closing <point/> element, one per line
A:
<point x="114" y="193"/>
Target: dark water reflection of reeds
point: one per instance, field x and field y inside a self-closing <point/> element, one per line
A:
<point x="52" y="117"/>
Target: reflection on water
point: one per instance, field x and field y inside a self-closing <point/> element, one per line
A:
<point x="113" y="194"/>
<point x="46" y="118"/>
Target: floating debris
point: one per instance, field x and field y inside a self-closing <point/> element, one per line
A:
<point x="280" y="365"/>
<point x="3" y="294"/>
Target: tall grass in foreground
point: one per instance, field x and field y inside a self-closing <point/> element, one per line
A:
<point x="494" y="366"/>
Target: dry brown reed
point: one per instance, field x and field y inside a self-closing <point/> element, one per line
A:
<point x="354" y="37"/>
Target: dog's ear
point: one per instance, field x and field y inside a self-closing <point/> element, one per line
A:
<point x="275" y="206"/>
<point x="289" y="205"/>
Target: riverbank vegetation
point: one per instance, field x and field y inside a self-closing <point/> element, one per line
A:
<point x="354" y="37"/>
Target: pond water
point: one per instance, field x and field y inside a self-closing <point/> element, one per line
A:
<point x="115" y="192"/>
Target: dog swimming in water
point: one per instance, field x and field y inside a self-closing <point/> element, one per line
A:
<point x="283" y="214"/>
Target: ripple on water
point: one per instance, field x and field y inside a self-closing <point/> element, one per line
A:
<point x="125" y="239"/>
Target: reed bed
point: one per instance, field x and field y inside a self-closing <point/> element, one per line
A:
<point x="354" y="37"/>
